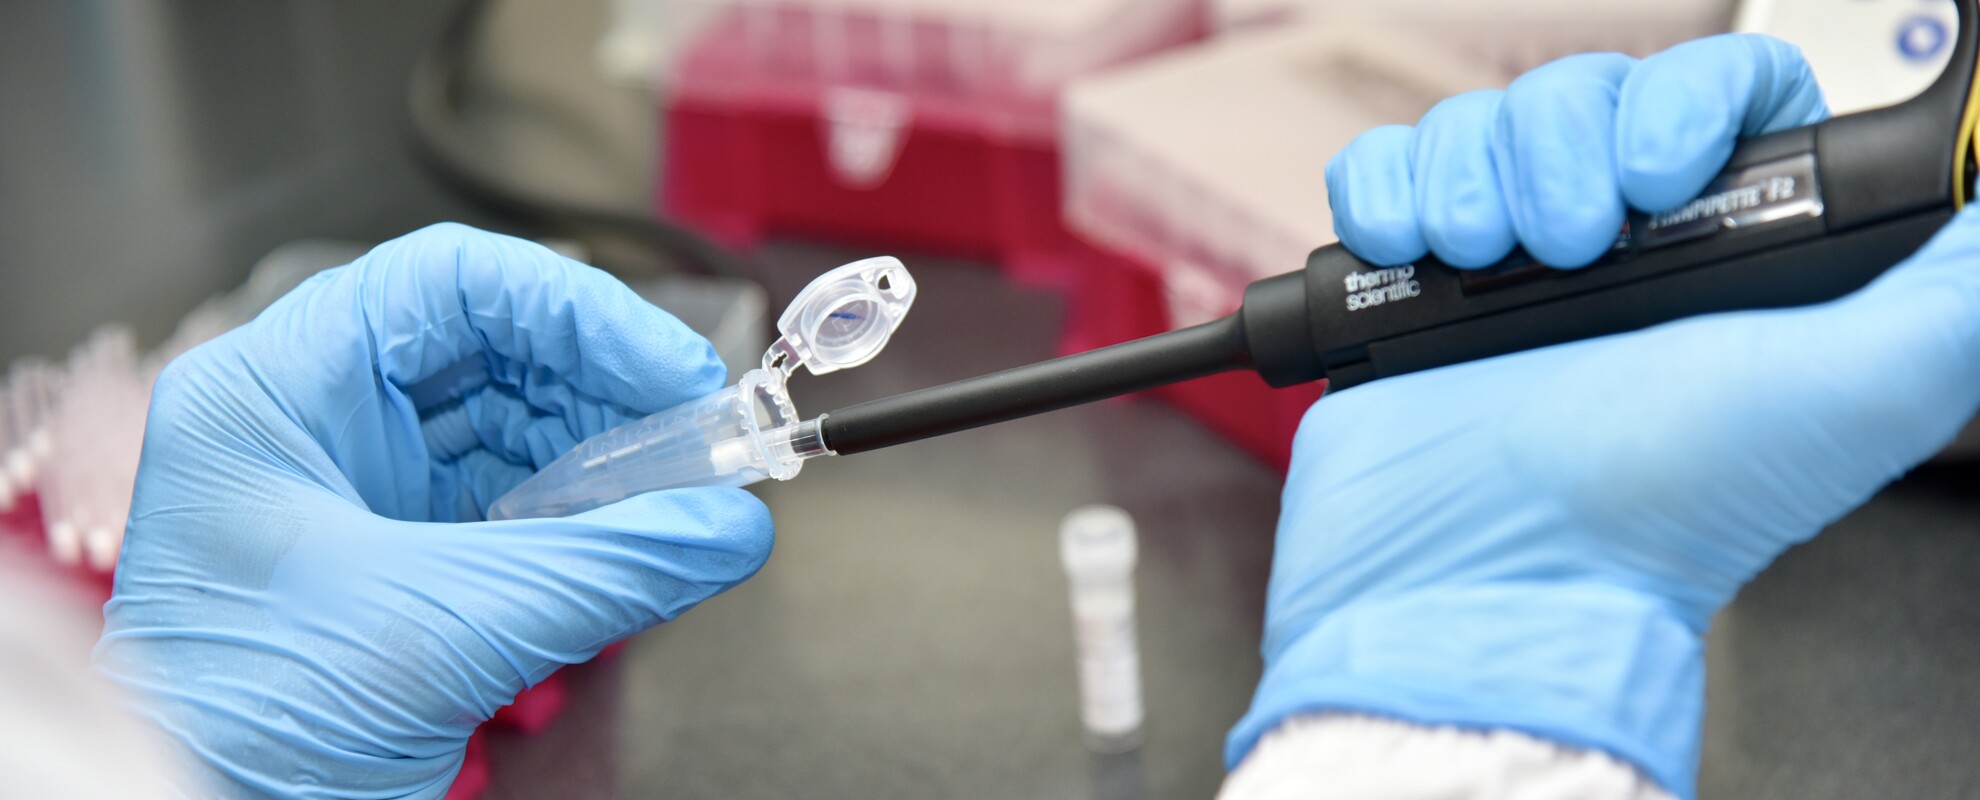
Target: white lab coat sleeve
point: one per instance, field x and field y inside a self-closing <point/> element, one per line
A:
<point x="1356" y="757"/>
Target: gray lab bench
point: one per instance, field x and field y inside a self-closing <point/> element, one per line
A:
<point x="911" y="638"/>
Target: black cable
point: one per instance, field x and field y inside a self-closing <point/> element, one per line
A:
<point x="432" y="95"/>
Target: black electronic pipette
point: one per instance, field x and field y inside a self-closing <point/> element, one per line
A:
<point x="1797" y="217"/>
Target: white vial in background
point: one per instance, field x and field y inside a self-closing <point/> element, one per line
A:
<point x="1096" y="543"/>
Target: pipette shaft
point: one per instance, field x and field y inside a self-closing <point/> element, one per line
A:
<point x="1193" y="352"/>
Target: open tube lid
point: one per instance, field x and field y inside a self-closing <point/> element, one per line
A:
<point x="843" y="318"/>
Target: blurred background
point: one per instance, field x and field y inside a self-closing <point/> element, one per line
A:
<point x="1059" y="174"/>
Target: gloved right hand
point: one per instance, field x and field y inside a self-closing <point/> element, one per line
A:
<point x="1537" y="542"/>
<point x="307" y="600"/>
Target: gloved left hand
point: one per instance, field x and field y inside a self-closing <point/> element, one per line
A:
<point x="306" y="600"/>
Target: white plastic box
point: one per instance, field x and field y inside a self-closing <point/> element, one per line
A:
<point x="922" y="124"/>
<point x="1516" y="34"/>
<point x="1001" y="60"/>
<point x="1208" y="163"/>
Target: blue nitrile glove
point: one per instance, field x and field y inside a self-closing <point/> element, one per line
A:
<point x="306" y="600"/>
<point x="1539" y="541"/>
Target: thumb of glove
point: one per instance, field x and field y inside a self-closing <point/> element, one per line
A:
<point x="1752" y="431"/>
<point x="1892" y="372"/>
<point x="1905" y="355"/>
<point x="419" y="631"/>
<point x="567" y="588"/>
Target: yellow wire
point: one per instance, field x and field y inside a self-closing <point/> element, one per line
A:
<point x="1966" y="140"/>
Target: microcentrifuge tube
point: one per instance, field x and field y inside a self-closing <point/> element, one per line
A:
<point x="1097" y="546"/>
<point x="744" y="433"/>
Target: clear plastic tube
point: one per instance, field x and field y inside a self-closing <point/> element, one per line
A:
<point x="734" y="437"/>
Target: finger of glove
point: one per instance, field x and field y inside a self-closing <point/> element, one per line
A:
<point x="449" y="294"/>
<point x="570" y="587"/>
<point x="500" y="421"/>
<point x="466" y="486"/>
<point x="1462" y="215"/>
<point x="1369" y="189"/>
<point x="1554" y="148"/>
<point x="1681" y="112"/>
